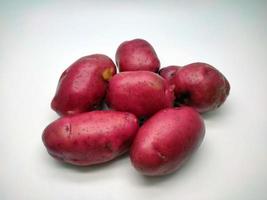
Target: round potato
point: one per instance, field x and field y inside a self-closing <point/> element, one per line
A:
<point x="137" y="55"/>
<point x="142" y="93"/>
<point x="201" y="86"/>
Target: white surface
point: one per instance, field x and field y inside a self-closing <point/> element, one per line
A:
<point x="38" y="40"/>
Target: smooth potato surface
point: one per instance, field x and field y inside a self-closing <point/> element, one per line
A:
<point x="137" y="55"/>
<point x="166" y="140"/>
<point x="142" y="93"/>
<point x="201" y="86"/>
<point x="82" y="86"/>
<point x="90" y="138"/>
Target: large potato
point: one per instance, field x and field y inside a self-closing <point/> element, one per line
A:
<point x="90" y="138"/>
<point x="142" y="93"/>
<point x="166" y="140"/>
<point x="82" y="86"/>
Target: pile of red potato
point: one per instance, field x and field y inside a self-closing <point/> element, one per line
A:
<point x="153" y="113"/>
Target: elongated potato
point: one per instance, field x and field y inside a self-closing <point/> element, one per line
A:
<point x="90" y="138"/>
<point x="82" y="86"/>
<point x="142" y="93"/>
<point x="166" y="140"/>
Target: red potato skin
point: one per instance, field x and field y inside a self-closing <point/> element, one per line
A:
<point x="169" y="72"/>
<point x="90" y="138"/>
<point x="82" y="86"/>
<point x="166" y="141"/>
<point x="142" y="93"/>
<point x="137" y="55"/>
<point x="201" y="86"/>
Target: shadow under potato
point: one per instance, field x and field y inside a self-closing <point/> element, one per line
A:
<point x="184" y="169"/>
<point x="147" y="180"/>
<point x="217" y="113"/>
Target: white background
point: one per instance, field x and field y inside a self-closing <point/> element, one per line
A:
<point x="39" y="39"/>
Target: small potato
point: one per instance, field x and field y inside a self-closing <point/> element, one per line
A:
<point x="201" y="86"/>
<point x="90" y="138"/>
<point x="137" y="55"/>
<point x="142" y="93"/>
<point x="166" y="140"/>
<point x="169" y="72"/>
<point x="82" y="86"/>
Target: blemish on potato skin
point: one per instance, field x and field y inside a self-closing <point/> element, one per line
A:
<point x="156" y="84"/>
<point x="159" y="153"/>
<point x="59" y="145"/>
<point x="68" y="128"/>
<point x="107" y="73"/>
<point x="162" y="157"/>
<point x="75" y="142"/>
<point x="74" y="160"/>
<point x="108" y="146"/>
<point x="83" y="76"/>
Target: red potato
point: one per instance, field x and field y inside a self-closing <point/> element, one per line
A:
<point x="142" y="93"/>
<point x="90" y="138"/>
<point x="137" y="55"/>
<point x="201" y="86"/>
<point x="82" y="86"/>
<point x="169" y="72"/>
<point x="166" y="140"/>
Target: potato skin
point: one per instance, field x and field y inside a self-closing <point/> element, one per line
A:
<point x="166" y="140"/>
<point x="137" y="55"/>
<point x="90" y="138"/>
<point x="201" y="86"/>
<point x="142" y="93"/>
<point x="169" y="72"/>
<point x="82" y="86"/>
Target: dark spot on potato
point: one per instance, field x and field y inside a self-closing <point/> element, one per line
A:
<point x="67" y="128"/>
<point x="59" y="145"/>
<point x="172" y="74"/>
<point x="108" y="146"/>
<point x="127" y="143"/>
<point x="75" y="142"/>
<point x="75" y="160"/>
